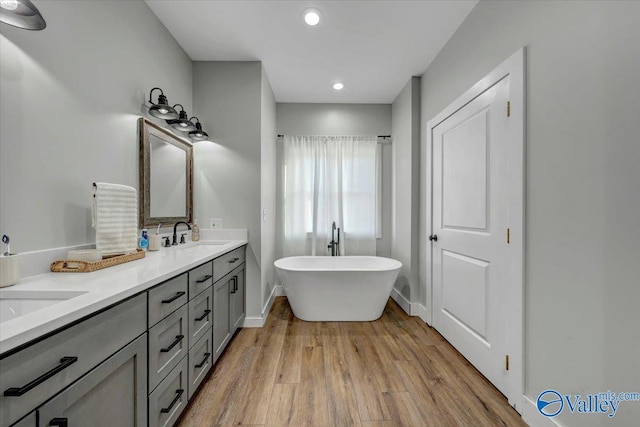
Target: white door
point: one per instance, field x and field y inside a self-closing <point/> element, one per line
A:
<point x="469" y="218"/>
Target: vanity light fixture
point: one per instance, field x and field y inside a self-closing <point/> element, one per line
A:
<point x="162" y="109"/>
<point x="182" y="123"/>
<point x="198" y="134"/>
<point x="338" y="86"/>
<point x="21" y="14"/>
<point x="312" y="16"/>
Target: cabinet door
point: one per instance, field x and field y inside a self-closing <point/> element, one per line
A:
<point x="200" y="356"/>
<point x="221" y="319"/>
<point x="237" y="301"/>
<point x="200" y="316"/>
<point x="28" y="421"/>
<point x="112" y="394"/>
<point x="167" y="345"/>
<point x="169" y="399"/>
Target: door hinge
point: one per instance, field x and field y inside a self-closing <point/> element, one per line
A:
<point x="508" y="235"/>
<point x="508" y="108"/>
<point x="506" y="362"/>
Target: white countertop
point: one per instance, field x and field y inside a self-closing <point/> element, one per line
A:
<point x="103" y="288"/>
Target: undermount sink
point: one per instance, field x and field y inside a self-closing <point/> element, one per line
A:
<point x="17" y="303"/>
<point x="204" y="244"/>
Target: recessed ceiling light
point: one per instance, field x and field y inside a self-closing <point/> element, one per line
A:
<point x="338" y="86"/>
<point x="312" y="16"/>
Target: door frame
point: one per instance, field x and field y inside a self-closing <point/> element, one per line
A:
<point x="514" y="67"/>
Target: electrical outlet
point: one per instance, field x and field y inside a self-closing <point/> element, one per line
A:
<point x="215" y="223"/>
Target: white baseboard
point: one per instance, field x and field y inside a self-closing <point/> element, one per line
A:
<point x="411" y="308"/>
<point x="420" y="311"/>
<point x="401" y="300"/>
<point x="253" y="322"/>
<point x="533" y="418"/>
<point x="258" y="322"/>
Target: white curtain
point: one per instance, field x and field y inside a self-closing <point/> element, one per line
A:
<point x="327" y="179"/>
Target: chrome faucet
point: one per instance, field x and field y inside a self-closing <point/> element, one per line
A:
<point x="334" y="245"/>
<point x="175" y="235"/>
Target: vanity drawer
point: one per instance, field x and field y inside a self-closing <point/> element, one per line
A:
<point x="169" y="399"/>
<point x="200" y="315"/>
<point x="167" y="297"/>
<point x="55" y="362"/>
<point x="227" y="262"/>
<point x="200" y="278"/>
<point x="200" y="357"/>
<point x="167" y="345"/>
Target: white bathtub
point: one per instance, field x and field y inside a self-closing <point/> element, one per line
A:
<point x="343" y="288"/>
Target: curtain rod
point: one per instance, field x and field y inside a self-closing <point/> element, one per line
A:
<point x="384" y="137"/>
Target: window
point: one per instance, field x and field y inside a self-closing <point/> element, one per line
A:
<point x="329" y="179"/>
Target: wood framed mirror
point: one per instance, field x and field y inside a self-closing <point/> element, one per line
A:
<point x="166" y="176"/>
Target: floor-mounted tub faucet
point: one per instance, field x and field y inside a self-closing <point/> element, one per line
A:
<point x="334" y="245"/>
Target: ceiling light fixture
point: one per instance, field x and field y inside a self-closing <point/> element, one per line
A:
<point x="21" y="14"/>
<point x="312" y="16"/>
<point x="338" y="86"/>
<point x="162" y="109"/>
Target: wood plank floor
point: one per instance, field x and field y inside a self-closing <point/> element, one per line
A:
<point x="395" y="371"/>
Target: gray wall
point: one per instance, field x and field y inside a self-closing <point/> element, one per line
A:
<point x="582" y="175"/>
<point x="338" y="119"/>
<point x="405" y="112"/>
<point x="268" y="186"/>
<point x="71" y="95"/>
<point x="227" y="96"/>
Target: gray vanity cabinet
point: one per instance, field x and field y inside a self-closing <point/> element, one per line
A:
<point x="38" y="372"/>
<point x="112" y="394"/>
<point x="229" y="308"/>
<point x="169" y="399"/>
<point x="237" y="302"/>
<point x="167" y="345"/>
<point x="221" y="318"/>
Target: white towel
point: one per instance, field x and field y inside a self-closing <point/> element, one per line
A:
<point x="115" y="218"/>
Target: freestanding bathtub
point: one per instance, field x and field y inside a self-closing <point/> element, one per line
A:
<point x="341" y="288"/>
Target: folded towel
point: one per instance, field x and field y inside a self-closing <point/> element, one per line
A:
<point x="115" y="218"/>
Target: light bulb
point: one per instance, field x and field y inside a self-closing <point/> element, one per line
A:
<point x="9" y="4"/>
<point x="338" y="86"/>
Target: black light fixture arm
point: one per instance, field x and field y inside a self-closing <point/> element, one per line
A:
<point x="150" y="93"/>
<point x="181" y="107"/>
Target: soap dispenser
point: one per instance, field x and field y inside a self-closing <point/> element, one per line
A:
<point x="143" y="243"/>
<point x="195" y="231"/>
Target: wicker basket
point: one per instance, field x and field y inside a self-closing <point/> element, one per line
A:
<point x="89" y="266"/>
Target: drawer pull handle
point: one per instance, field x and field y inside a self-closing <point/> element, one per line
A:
<point x="201" y="364"/>
<point x="204" y="278"/>
<point x="205" y="314"/>
<point x="65" y="362"/>
<point x="173" y="344"/>
<point x="175" y="297"/>
<point x="231" y="261"/>
<point x="59" y="422"/>
<point x="173" y="402"/>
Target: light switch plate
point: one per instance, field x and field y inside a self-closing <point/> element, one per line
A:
<point x="215" y="223"/>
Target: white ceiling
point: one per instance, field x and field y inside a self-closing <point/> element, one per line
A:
<point x="373" y="47"/>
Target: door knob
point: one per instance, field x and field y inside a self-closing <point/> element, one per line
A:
<point x="433" y="237"/>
